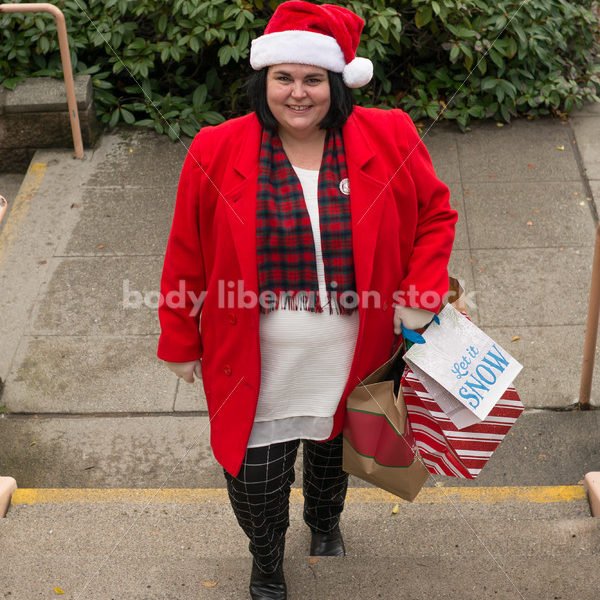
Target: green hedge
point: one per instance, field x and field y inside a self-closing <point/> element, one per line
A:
<point x="185" y="60"/>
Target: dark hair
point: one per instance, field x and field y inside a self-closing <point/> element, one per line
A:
<point x="342" y="100"/>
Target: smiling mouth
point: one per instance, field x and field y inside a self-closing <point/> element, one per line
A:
<point x="298" y="109"/>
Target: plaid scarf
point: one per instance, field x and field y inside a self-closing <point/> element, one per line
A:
<point x="285" y="249"/>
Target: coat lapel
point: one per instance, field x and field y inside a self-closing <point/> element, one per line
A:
<point x="367" y="199"/>
<point x="240" y="198"/>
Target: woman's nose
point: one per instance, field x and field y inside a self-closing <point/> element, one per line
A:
<point x="298" y="90"/>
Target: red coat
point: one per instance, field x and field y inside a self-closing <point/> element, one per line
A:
<point x="402" y="227"/>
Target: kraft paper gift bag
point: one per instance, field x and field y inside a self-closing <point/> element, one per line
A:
<point x="379" y="446"/>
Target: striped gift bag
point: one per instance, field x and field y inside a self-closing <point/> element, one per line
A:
<point x="447" y="450"/>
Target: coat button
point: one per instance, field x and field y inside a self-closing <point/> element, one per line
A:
<point x="232" y="318"/>
<point x="227" y="369"/>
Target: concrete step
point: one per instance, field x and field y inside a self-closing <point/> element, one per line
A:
<point x="173" y="450"/>
<point x="172" y="550"/>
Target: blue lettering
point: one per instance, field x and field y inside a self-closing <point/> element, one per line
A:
<point x="496" y="360"/>
<point x="477" y="385"/>
<point x="463" y="391"/>
<point x="484" y="367"/>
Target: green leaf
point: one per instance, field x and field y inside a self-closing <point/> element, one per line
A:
<point x="454" y="53"/>
<point x="127" y="116"/>
<point x="213" y="118"/>
<point x="423" y="16"/>
<point x="114" y="118"/>
<point x="496" y="58"/>
<point x="511" y="47"/>
<point x="199" y="96"/>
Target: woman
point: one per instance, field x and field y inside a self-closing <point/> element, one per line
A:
<point x="304" y="234"/>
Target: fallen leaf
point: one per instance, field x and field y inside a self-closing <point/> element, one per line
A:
<point x="582" y="203"/>
<point x="561" y="249"/>
<point x="100" y="245"/>
<point x="499" y="124"/>
<point x="209" y="583"/>
<point x="530" y="166"/>
<point x="33" y="443"/>
<point x="130" y="149"/>
<point x="529" y="223"/>
<point x="58" y="590"/>
<point x="42" y="262"/>
<point x="516" y="338"/>
<point x="536" y="210"/>
<point x="452" y="148"/>
<point x="482" y="269"/>
<point x="575" y="193"/>
<point x="560" y="147"/>
<point x="491" y="175"/>
<point x="542" y="456"/>
<point x="74" y="205"/>
<point x="313" y="560"/>
<point x="395" y="509"/>
<point x="512" y="214"/>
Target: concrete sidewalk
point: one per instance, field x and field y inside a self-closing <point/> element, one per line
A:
<point x="89" y="405"/>
<point x="194" y="550"/>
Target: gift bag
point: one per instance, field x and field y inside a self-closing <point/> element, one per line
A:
<point x="379" y="446"/>
<point x="447" y="450"/>
<point x="461" y="367"/>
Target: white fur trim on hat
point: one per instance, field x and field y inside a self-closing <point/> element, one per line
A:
<point x="358" y="72"/>
<point x="293" y="46"/>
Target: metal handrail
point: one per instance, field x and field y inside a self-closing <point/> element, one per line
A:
<point x="591" y="332"/>
<point x="66" y="62"/>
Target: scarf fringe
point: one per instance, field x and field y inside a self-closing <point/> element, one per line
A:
<point x="309" y="301"/>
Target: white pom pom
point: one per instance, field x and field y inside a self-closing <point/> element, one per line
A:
<point x="358" y="72"/>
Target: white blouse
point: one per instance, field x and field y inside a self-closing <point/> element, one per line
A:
<point x="305" y="357"/>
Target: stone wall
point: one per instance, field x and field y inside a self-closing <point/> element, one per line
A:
<point x="35" y="115"/>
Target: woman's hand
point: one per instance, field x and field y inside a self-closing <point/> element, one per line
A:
<point x="411" y="318"/>
<point x="186" y="370"/>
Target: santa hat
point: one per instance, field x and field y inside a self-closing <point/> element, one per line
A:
<point x="322" y="35"/>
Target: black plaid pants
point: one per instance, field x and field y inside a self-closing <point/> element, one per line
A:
<point x="260" y="494"/>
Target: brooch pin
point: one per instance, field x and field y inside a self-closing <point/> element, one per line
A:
<point x="345" y="186"/>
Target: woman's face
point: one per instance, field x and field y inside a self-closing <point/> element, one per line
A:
<point x="299" y="97"/>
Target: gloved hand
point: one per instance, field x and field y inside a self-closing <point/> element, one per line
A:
<point x="411" y="318"/>
<point x="186" y="370"/>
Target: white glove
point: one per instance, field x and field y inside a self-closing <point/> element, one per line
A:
<point x="411" y="318"/>
<point x="186" y="370"/>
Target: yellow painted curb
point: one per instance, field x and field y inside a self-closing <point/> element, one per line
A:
<point x="21" y="204"/>
<point x="535" y="494"/>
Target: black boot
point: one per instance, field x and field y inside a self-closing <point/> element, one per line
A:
<point x="327" y="544"/>
<point x="267" y="587"/>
